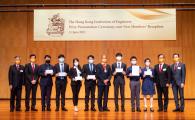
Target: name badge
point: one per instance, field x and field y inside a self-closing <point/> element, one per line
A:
<point x="21" y="71"/>
<point x="164" y="69"/>
<point x="119" y="70"/>
<point x="148" y="72"/>
<point x="179" y="68"/>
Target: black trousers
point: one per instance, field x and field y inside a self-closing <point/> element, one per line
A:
<point x="15" y="93"/>
<point x="178" y="90"/>
<point x="60" y="91"/>
<point x="103" y="90"/>
<point x="90" y="89"/>
<point x="75" y="92"/>
<point x="118" y="86"/>
<point x="46" y="95"/>
<point x="162" y="91"/>
<point x="30" y="88"/>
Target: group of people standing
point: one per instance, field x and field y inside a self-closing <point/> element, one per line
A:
<point x="161" y="76"/>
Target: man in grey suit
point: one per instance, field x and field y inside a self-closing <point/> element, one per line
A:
<point x="178" y="74"/>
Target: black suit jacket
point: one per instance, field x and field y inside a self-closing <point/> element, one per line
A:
<point x="30" y="74"/>
<point x="73" y="74"/>
<point x="57" y="69"/>
<point x="178" y="75"/>
<point x="162" y="78"/>
<point x="45" y="79"/>
<point x="86" y="71"/>
<point x="16" y="76"/>
<point x="101" y="75"/>
<point x="119" y="77"/>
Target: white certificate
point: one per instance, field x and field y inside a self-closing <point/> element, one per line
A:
<point x="62" y="74"/>
<point x="89" y="77"/>
<point x="78" y="78"/>
<point x="135" y="71"/>
<point x="119" y="70"/>
<point x="49" y="71"/>
<point x="148" y="72"/>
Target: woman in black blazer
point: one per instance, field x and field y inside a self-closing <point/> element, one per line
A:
<point x="75" y="75"/>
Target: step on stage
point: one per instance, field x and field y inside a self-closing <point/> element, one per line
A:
<point x="188" y="114"/>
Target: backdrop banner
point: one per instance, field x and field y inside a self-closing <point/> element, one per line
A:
<point x="104" y="24"/>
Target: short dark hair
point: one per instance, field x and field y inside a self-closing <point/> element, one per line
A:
<point x="118" y="54"/>
<point x="90" y="56"/>
<point x="147" y="59"/>
<point x="176" y="54"/>
<point x="47" y="56"/>
<point x="75" y="59"/>
<point x="32" y="55"/>
<point x="60" y="56"/>
<point x="133" y="57"/>
<point x="160" y="55"/>
<point x="17" y="56"/>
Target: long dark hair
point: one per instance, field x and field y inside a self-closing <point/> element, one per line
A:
<point x="76" y="59"/>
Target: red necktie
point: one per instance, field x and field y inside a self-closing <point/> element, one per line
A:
<point x="160" y="68"/>
<point x="175" y="67"/>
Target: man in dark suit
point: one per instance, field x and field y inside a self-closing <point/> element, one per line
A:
<point x="162" y="76"/>
<point x="178" y="74"/>
<point x="103" y="76"/>
<point x="16" y="80"/>
<point x="119" y="71"/>
<point x="31" y="82"/>
<point x="89" y="73"/>
<point x="46" y="71"/>
<point x="61" y="70"/>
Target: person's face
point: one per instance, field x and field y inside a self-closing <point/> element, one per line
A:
<point x="176" y="58"/>
<point x="133" y="61"/>
<point x="61" y="59"/>
<point x="91" y="60"/>
<point x="17" y="60"/>
<point x="76" y="63"/>
<point x="147" y="63"/>
<point x="32" y="59"/>
<point x="161" y="59"/>
<point x="47" y="60"/>
<point x="104" y="59"/>
<point x="118" y="58"/>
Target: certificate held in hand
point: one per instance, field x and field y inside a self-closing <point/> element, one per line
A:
<point x="62" y="74"/>
<point x="135" y="71"/>
<point x="148" y="72"/>
<point x="78" y="78"/>
<point x="91" y="77"/>
<point x="49" y="71"/>
<point x="119" y="70"/>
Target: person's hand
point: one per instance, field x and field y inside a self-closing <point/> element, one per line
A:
<point x="130" y="74"/>
<point x="10" y="86"/>
<point x="106" y="81"/>
<point x="151" y="76"/>
<point x="144" y="75"/>
<point x="124" y="73"/>
<point x="182" y="85"/>
<point x="114" y="72"/>
<point x="33" y="82"/>
<point x="154" y="84"/>
<point x="45" y="73"/>
<point x="167" y="85"/>
<point x="171" y="85"/>
<point x="57" y="74"/>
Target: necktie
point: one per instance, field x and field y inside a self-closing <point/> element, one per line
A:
<point x="175" y="67"/>
<point x="17" y="66"/>
<point x="33" y="68"/>
<point x="91" y="67"/>
<point x="160" y="68"/>
<point x="118" y="65"/>
<point x="62" y="68"/>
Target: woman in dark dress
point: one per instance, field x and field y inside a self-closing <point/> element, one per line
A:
<point x="75" y="75"/>
<point x="148" y="86"/>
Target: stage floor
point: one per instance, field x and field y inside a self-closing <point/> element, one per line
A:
<point x="189" y="113"/>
